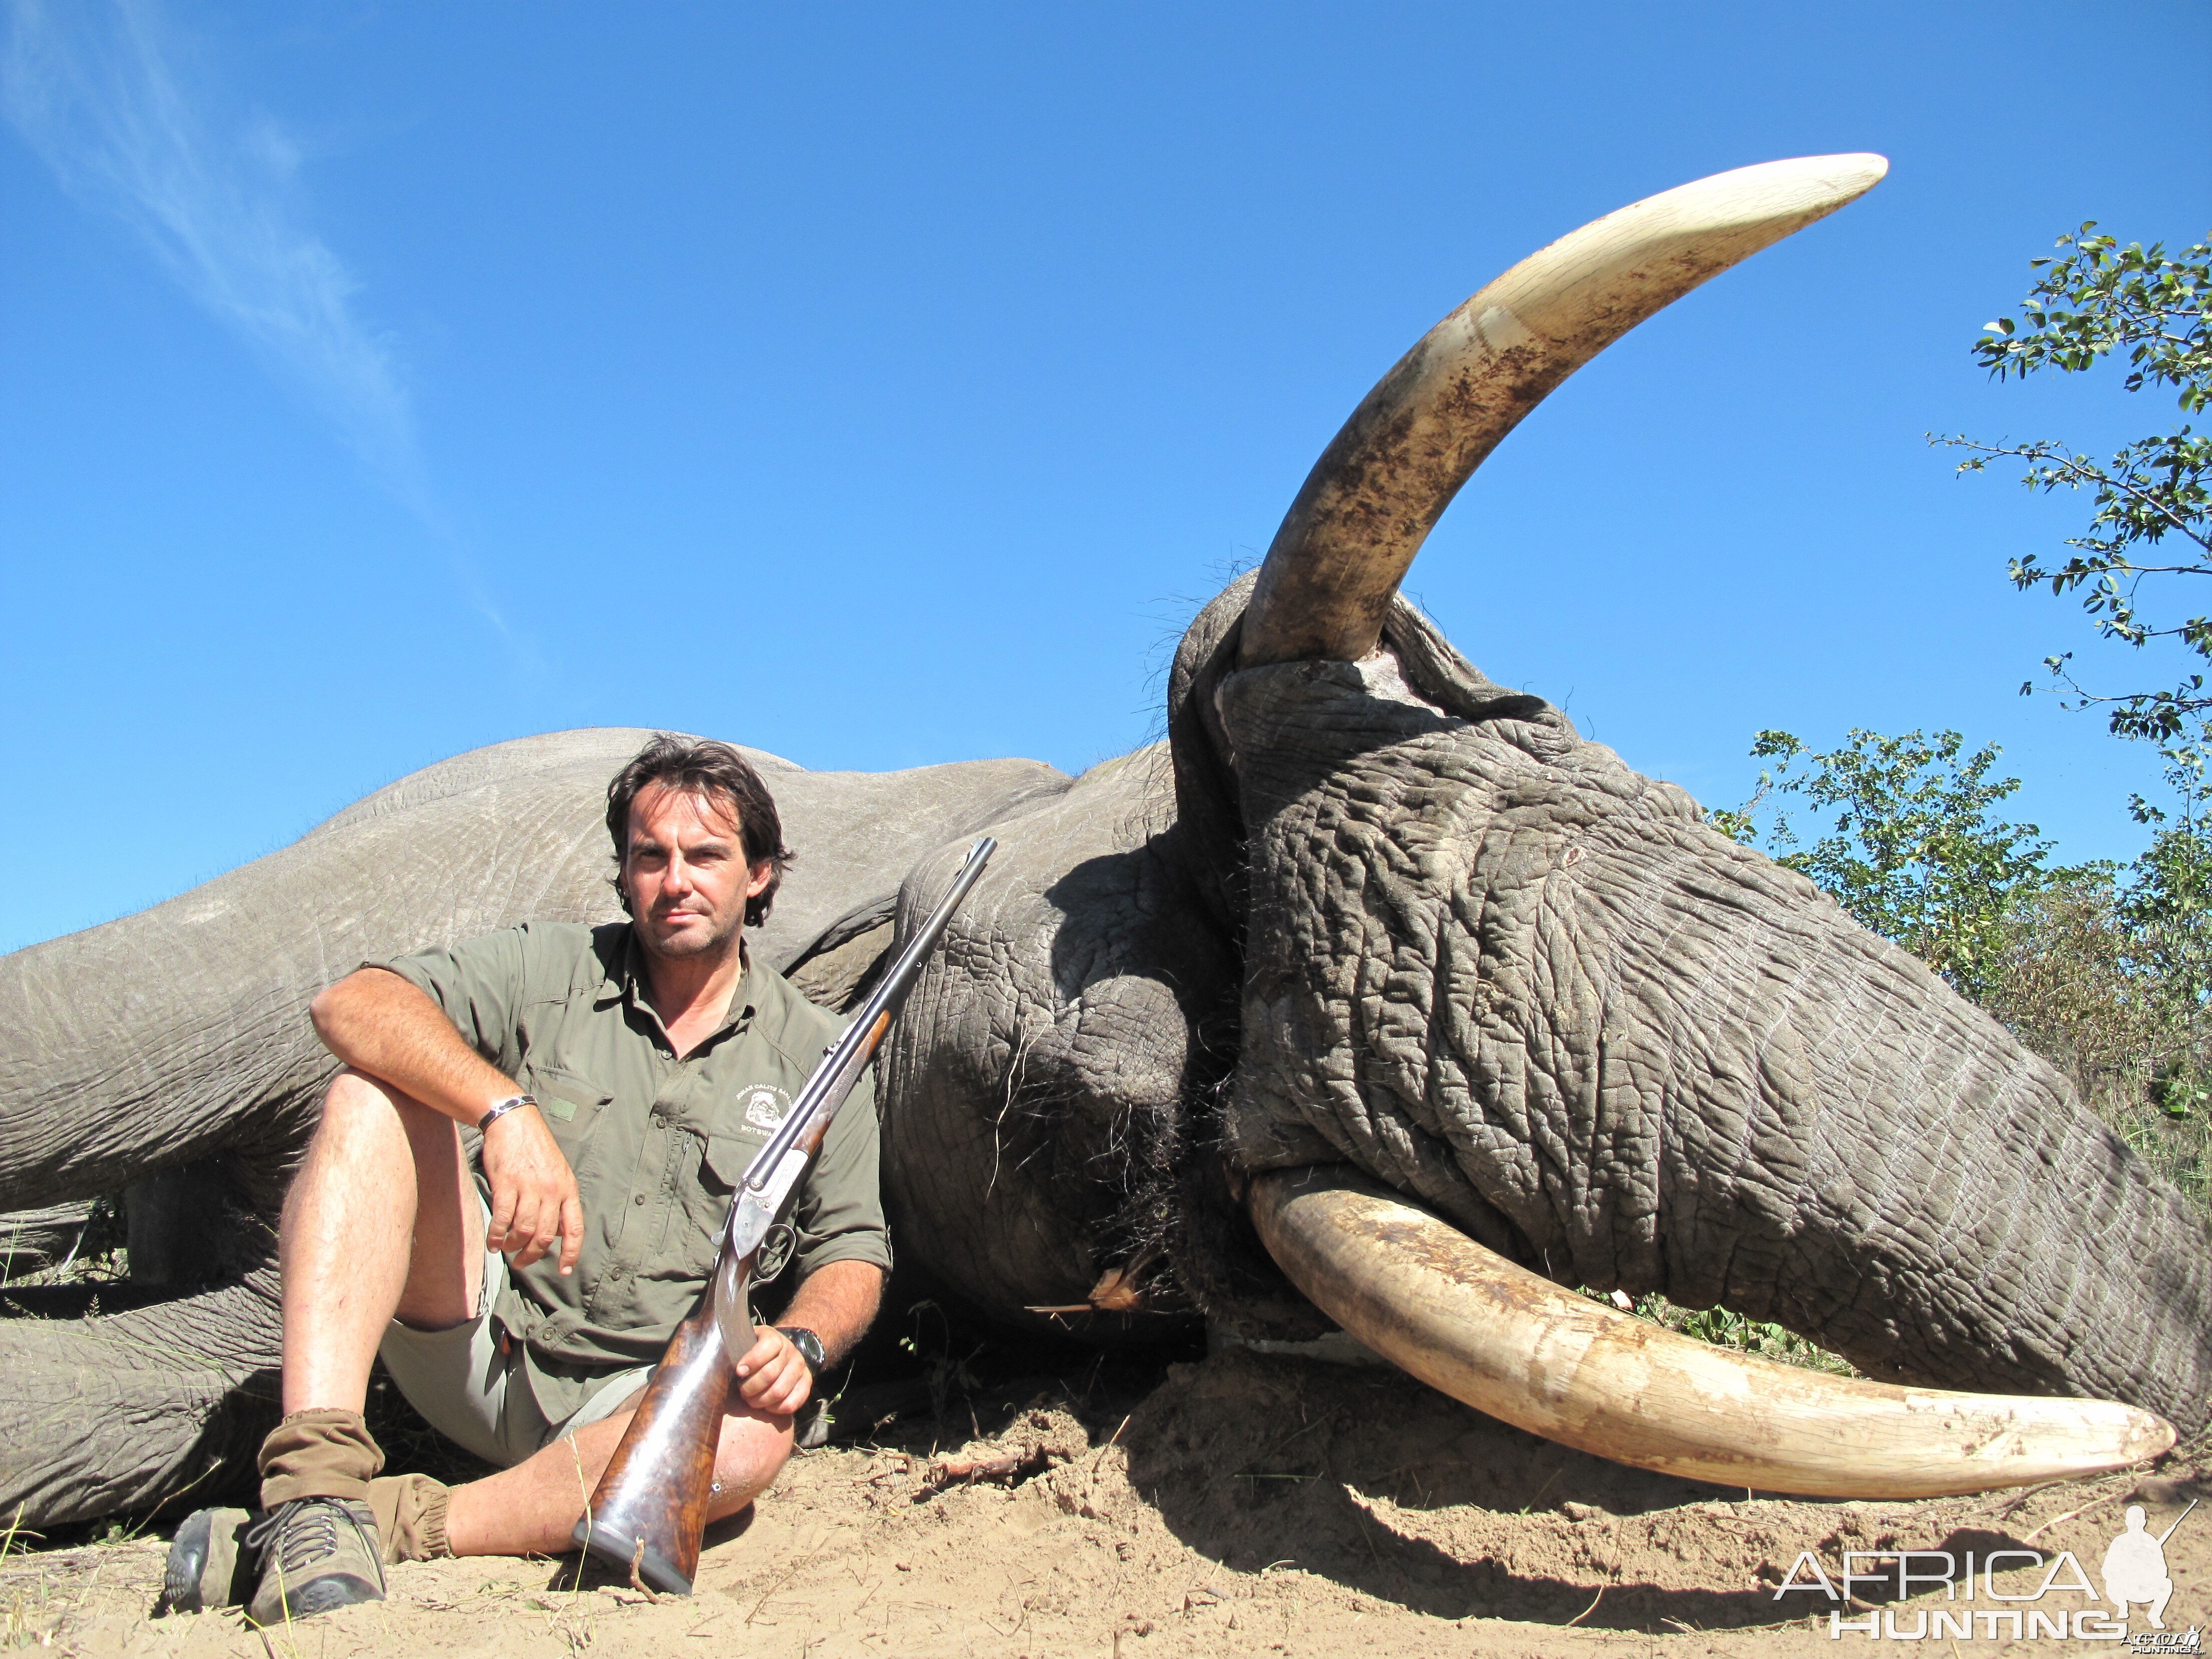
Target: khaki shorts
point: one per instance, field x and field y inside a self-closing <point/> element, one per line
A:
<point x="480" y="1398"/>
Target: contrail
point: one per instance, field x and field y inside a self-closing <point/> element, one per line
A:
<point x="93" y="90"/>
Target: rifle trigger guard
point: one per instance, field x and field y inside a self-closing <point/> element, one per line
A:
<point x="775" y="1252"/>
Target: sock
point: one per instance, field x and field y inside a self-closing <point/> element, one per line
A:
<point x="318" y="1454"/>
<point x="411" y="1518"/>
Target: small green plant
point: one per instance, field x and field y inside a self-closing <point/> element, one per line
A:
<point x="1726" y="1328"/>
<point x="1723" y="1328"/>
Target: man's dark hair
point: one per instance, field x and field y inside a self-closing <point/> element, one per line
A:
<point x="702" y="766"/>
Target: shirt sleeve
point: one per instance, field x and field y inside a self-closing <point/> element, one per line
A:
<point x="480" y="983"/>
<point x="840" y="1212"/>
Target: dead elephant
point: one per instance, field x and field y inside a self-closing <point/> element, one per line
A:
<point x="1374" y="974"/>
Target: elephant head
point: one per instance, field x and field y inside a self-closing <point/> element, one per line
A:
<point x="1397" y="918"/>
<point x="1374" y="988"/>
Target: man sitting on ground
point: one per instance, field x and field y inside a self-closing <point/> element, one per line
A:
<point x="521" y="1288"/>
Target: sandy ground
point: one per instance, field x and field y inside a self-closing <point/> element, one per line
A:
<point x="1243" y="1505"/>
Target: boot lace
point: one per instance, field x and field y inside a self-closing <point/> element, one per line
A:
<point x="304" y="1532"/>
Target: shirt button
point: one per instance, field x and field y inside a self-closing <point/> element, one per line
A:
<point x="640" y="1198"/>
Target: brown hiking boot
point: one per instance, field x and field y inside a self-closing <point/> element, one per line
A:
<point x="208" y="1566"/>
<point x="317" y="1553"/>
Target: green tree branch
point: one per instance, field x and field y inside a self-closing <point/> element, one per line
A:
<point x="2155" y="311"/>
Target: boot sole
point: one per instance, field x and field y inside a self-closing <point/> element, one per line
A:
<point x="206" y="1537"/>
<point x="327" y="1594"/>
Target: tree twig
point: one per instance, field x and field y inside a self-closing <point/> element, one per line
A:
<point x="968" y="1471"/>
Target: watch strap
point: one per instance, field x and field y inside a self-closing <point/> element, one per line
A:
<point x="809" y="1346"/>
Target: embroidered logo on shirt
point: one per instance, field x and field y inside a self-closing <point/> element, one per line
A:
<point x="766" y="1106"/>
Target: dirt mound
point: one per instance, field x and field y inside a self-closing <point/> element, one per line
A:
<point x="1244" y="1505"/>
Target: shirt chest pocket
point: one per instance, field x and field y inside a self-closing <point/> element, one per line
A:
<point x="573" y="1108"/>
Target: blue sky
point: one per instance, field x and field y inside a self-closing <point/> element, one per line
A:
<point x="886" y="385"/>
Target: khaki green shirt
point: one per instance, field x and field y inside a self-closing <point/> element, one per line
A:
<point x="658" y="1144"/>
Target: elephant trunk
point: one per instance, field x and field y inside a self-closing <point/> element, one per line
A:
<point x="135" y="1407"/>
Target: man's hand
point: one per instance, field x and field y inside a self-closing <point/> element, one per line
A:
<point x="836" y="1301"/>
<point x="772" y="1377"/>
<point x="533" y="1192"/>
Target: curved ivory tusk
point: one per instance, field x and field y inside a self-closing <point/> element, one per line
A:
<point x="1386" y="478"/>
<point x="1433" y="1302"/>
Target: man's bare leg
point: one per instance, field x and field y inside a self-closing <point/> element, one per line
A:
<point x="381" y="1220"/>
<point x="532" y="1509"/>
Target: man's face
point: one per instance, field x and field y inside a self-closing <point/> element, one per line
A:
<point x="685" y="872"/>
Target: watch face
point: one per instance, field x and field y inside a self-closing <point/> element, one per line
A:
<point x="809" y="1346"/>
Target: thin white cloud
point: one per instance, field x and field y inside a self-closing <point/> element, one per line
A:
<point x="108" y="96"/>
<point x="92" y="89"/>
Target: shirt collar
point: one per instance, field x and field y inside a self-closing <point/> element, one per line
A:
<point x="627" y="984"/>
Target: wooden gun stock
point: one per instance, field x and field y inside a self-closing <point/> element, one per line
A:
<point x="650" y="1509"/>
<point x="651" y="1505"/>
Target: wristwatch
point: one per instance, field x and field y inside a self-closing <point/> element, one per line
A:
<point x="809" y="1346"/>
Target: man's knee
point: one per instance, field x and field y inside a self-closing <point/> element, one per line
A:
<point x="355" y="1096"/>
<point x="754" y="1447"/>
<point x="363" y="1116"/>
<point x="377" y="1147"/>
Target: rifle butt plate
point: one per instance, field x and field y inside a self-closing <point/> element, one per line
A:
<point x="618" y="1549"/>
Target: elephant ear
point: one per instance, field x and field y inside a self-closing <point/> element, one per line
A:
<point x="839" y="967"/>
<point x="1051" y="1091"/>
